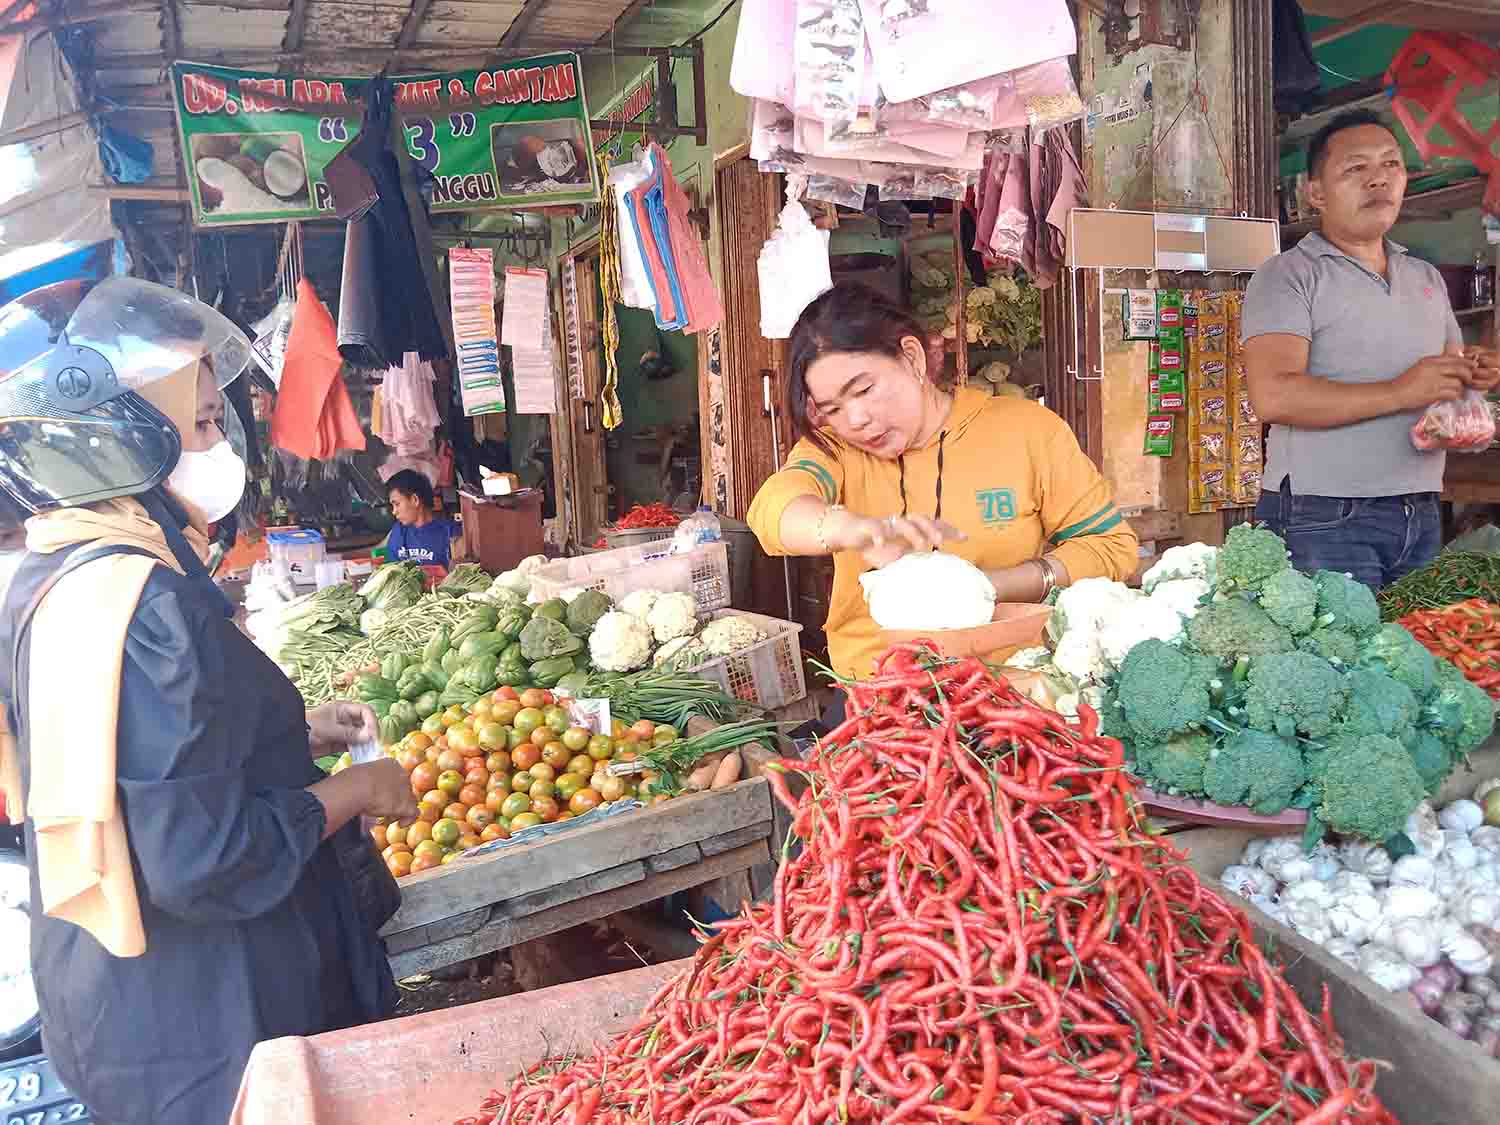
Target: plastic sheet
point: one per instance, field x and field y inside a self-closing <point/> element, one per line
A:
<point x="1462" y="426"/>
<point x="794" y="271"/>
<point x="829" y="54"/>
<point x="1050" y="95"/>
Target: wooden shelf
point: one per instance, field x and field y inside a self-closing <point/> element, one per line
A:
<point x="1433" y="204"/>
<point x="1476" y="311"/>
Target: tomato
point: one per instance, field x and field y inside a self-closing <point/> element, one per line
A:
<point x="430" y="811"/>
<point x="498" y="762"/>
<point x="646" y="788"/>
<point x="445" y="833"/>
<point x="522" y="781"/>
<point x="455" y="714"/>
<point x="576" y="739"/>
<point x="395" y="834"/>
<point x="527" y="720"/>
<point x="556" y="755"/>
<point x="449" y="722"/>
<point x="400" y="864"/>
<point x="450" y="781"/>
<point x="450" y="759"/>
<point x="523" y="821"/>
<point x="421" y="830"/>
<point x="506" y="695"/>
<point x="499" y="780"/>
<point x="557" y="720"/>
<point x="545" y="807"/>
<point x="472" y="795"/>
<point x="514" y="738"/>
<point x="432" y="726"/>
<point x="496" y="831"/>
<point x="659" y="798"/>
<point x="644" y="729"/>
<point x="476" y="774"/>
<point x="463" y="739"/>
<point x="566" y="814"/>
<point x="583" y="801"/>
<point x="418" y="740"/>
<point x="378" y="835"/>
<point x="452" y="857"/>
<point x="612" y="788"/>
<point x="495" y="798"/>
<point x="626" y="755"/>
<point x="391" y="850"/>
<point x="480" y="713"/>
<point x="543" y="772"/>
<point x="470" y="838"/>
<point x="664" y="736"/>
<point x="430" y="847"/>
<point x="437" y="796"/>
<point x="580" y="763"/>
<point x="456" y="811"/>
<point x="541" y="736"/>
<point x="533" y="698"/>
<point x="618" y="728"/>
<point x="431" y="754"/>
<point x="411" y="758"/>
<point x="491" y="736"/>
<point x="505" y="713"/>
<point x="601" y="747"/>
<point x="515" y="805"/>
<point x="541" y="789"/>
<point x="426" y="863"/>
<point x="570" y="783"/>
<point x="524" y="757"/>
<point x="424" y="777"/>
<point x="479" y="819"/>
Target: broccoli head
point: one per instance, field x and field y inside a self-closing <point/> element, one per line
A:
<point x="1162" y="690"/>
<point x="1458" y="712"/>
<point x="1292" y="692"/>
<point x="1290" y="599"/>
<point x="1257" y="769"/>
<point x="1346" y="603"/>
<point x="1401" y="656"/>
<point x="1332" y="644"/>
<point x="1250" y="555"/>
<point x="1378" y="705"/>
<point x="1370" y="786"/>
<point x="1431" y="756"/>
<point x="1175" y="765"/>
<point x="1234" y="627"/>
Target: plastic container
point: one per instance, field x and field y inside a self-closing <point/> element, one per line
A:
<point x="635" y="536"/>
<point x="700" y="528"/>
<point x="703" y="572"/>
<point x="329" y="572"/>
<point x="300" y="549"/>
<point x="769" y="673"/>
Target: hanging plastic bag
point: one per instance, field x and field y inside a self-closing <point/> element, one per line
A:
<point x="1049" y="93"/>
<point x="1463" y="426"/>
<point x="793" y="270"/>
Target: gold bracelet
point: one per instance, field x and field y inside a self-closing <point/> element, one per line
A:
<point x="823" y="526"/>
<point x="1049" y="579"/>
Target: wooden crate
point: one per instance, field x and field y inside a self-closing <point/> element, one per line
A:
<point x="516" y="894"/>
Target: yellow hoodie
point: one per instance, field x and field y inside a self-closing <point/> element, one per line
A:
<point x="1014" y="481"/>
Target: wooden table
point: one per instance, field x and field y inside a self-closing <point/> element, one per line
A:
<point x="516" y="894"/>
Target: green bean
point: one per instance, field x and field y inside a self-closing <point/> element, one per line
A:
<point x="1452" y="577"/>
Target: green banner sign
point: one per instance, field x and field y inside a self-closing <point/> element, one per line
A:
<point x="257" y="145"/>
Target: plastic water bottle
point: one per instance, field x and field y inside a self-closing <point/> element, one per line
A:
<point x="699" y="528"/>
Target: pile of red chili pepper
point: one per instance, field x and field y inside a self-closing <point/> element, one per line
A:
<point x="1467" y="635"/>
<point x="648" y="515"/>
<point x="976" y="928"/>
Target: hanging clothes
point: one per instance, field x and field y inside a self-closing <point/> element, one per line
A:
<point x="1295" y="78"/>
<point x="408" y="414"/>
<point x="314" y="418"/>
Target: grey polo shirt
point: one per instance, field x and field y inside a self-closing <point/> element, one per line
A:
<point x="1362" y="329"/>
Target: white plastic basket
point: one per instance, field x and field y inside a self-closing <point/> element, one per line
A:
<point x="702" y="572"/>
<point x="769" y="672"/>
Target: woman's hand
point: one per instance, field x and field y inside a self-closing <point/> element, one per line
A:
<point x="883" y="541"/>
<point x="386" y="789"/>
<point x="339" y="725"/>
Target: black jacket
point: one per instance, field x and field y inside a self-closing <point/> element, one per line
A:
<point x="252" y="929"/>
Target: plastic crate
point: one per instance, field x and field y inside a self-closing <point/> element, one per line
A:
<point x="636" y="536"/>
<point x="702" y="572"/>
<point x="768" y="673"/>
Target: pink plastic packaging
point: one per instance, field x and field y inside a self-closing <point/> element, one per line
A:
<point x="1465" y="425"/>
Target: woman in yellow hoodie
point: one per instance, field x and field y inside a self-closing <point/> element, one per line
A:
<point x="889" y="461"/>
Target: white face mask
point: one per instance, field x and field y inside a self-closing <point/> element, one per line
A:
<point x="211" y="481"/>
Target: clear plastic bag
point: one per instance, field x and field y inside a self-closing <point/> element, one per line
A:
<point x="1465" y="425"/>
<point x="829" y="56"/>
<point x="1049" y="93"/>
<point x="793" y="269"/>
<point x="973" y="106"/>
<point x="831" y="189"/>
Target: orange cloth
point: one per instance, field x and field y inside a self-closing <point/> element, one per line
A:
<point x="314" y="418"/>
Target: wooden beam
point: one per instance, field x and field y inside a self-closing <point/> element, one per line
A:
<point x="43" y="128"/>
<point x="296" y="27"/>
<point x="145" y="193"/>
<point x="171" y="29"/>
<point x="413" y="23"/>
<point x="1375" y="13"/>
<point x="522" y="23"/>
<point x="622" y="21"/>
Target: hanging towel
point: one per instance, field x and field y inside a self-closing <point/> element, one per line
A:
<point x="314" y="418"/>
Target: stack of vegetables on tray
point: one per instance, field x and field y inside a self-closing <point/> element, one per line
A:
<point x="1232" y="677"/>
<point x="511" y="761"/>
<point x="1427" y="920"/>
<point x="1452" y="606"/>
<point x="976" y="929"/>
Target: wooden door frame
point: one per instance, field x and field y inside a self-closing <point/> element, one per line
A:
<point x="570" y="413"/>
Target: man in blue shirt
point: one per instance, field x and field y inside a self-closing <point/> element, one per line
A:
<point x="419" y="536"/>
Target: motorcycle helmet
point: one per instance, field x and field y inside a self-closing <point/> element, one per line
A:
<point x="96" y="382"/>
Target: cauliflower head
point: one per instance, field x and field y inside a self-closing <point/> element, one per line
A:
<point x="680" y="654"/>
<point x="1295" y="692"/>
<point x="1250" y="555"/>
<point x="1086" y="605"/>
<point x="1140" y="620"/>
<point x="1184" y="596"/>
<point x="673" y="616"/>
<point x="1079" y="656"/>
<point x="1290" y="599"/>
<point x="620" y="642"/>
<point x="730" y="634"/>
<point x="929" y="590"/>
<point x="1191" y="560"/>
<point x="639" y="603"/>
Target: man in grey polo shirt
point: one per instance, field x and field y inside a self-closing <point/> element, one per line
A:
<point x="1348" y="339"/>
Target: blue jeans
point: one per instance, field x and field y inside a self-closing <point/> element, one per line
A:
<point x="1377" y="539"/>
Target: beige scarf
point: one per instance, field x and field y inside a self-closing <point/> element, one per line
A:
<point x="77" y="653"/>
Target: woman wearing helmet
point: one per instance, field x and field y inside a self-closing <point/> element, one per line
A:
<point x="198" y="885"/>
